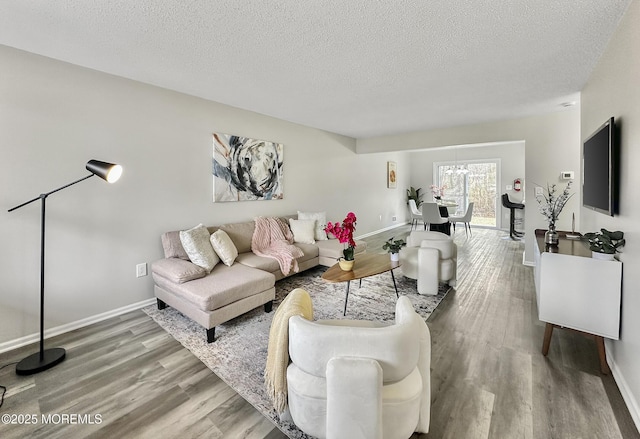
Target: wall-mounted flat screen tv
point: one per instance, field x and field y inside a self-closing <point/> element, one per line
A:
<point x="599" y="170"/>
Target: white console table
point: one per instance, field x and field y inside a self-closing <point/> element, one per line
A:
<point x="577" y="292"/>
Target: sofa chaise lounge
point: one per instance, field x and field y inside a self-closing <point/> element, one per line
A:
<point x="229" y="291"/>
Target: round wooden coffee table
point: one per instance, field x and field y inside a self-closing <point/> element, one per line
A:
<point x="367" y="264"/>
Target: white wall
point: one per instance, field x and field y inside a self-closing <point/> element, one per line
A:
<point x="552" y="145"/>
<point x="54" y="117"/>
<point x="511" y="156"/>
<point x="614" y="90"/>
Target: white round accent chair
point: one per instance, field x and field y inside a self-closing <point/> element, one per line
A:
<point x="358" y="379"/>
<point x="431" y="258"/>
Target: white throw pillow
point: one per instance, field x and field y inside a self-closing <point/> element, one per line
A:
<point x="321" y="222"/>
<point x="303" y="230"/>
<point x="224" y="247"/>
<point x="196" y="244"/>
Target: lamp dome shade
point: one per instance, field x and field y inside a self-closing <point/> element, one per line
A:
<point x="107" y="171"/>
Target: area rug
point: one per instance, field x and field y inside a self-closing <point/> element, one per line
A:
<point x="238" y="355"/>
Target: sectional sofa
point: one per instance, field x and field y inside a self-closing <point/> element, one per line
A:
<point x="237" y="284"/>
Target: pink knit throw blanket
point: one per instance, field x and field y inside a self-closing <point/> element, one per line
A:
<point x="272" y="238"/>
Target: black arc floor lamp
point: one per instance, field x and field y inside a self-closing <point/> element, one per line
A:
<point x="47" y="358"/>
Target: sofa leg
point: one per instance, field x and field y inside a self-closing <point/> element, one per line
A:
<point x="161" y="304"/>
<point x="268" y="306"/>
<point x="211" y="335"/>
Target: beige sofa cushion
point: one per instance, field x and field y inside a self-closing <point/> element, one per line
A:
<point x="310" y="251"/>
<point x="250" y="259"/>
<point x="271" y="265"/>
<point x="241" y="234"/>
<point x="172" y="246"/>
<point x="224" y="285"/>
<point x="177" y="270"/>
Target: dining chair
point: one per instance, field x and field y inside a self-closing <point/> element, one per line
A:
<point x="431" y="215"/>
<point x="416" y="215"/>
<point x="466" y="219"/>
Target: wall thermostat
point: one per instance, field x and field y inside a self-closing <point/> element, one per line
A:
<point x="566" y="175"/>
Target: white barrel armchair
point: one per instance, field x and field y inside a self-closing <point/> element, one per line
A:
<point x="431" y="258"/>
<point x="358" y="379"/>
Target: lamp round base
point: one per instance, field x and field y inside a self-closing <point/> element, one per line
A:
<point x="32" y="363"/>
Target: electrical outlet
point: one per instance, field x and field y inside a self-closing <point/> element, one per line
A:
<point x="539" y="191"/>
<point x="141" y="269"/>
<point x="394" y="218"/>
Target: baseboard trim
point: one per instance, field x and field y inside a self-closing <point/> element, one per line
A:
<point x="375" y="232"/>
<point x="627" y="395"/>
<point x="527" y="263"/>
<point x="52" y="332"/>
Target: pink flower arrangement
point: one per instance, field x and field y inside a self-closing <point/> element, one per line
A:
<point x="438" y="191"/>
<point x="344" y="233"/>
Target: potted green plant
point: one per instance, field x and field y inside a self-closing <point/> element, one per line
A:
<point x="604" y="244"/>
<point x="393" y="247"/>
<point x="415" y="195"/>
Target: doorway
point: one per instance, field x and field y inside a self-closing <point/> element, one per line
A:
<point x="471" y="181"/>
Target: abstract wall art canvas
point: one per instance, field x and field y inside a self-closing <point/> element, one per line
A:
<point x="246" y="169"/>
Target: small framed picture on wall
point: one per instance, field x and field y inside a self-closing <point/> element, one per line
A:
<point x="392" y="175"/>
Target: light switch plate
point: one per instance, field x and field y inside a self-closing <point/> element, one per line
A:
<point x="539" y="191"/>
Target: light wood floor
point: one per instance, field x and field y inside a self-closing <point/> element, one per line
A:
<point x="489" y="379"/>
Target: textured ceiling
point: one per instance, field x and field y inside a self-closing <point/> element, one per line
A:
<point x="362" y="68"/>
